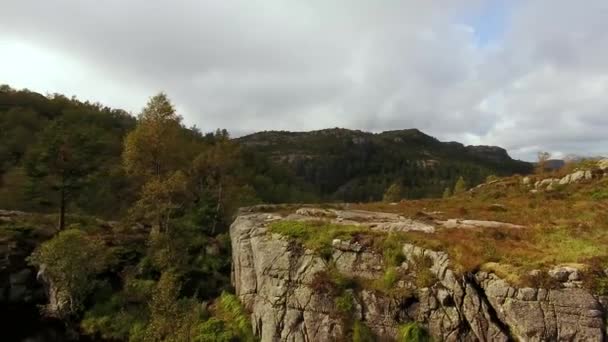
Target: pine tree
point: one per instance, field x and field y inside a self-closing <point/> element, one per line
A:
<point x="460" y="187"/>
<point x="61" y="162"/>
<point x="393" y="193"/>
<point x="447" y="193"/>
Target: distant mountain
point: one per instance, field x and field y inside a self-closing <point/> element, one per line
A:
<point x="353" y="165"/>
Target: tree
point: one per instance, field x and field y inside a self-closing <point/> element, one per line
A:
<point x="447" y="193"/>
<point x="62" y="160"/>
<point x="171" y="318"/>
<point x="160" y="198"/>
<point x="156" y="146"/>
<point x="460" y="186"/>
<point x="154" y="152"/>
<point x="217" y="183"/>
<point x="393" y="193"/>
<point x="542" y="159"/>
<point x="68" y="262"/>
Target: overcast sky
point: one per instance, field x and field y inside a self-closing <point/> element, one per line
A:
<point x="527" y="75"/>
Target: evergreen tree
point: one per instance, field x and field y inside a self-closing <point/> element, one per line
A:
<point x="447" y="193"/>
<point x="61" y="162"/>
<point x="460" y="186"/>
<point x="393" y="193"/>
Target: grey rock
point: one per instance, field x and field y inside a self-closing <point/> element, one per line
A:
<point x="275" y="280"/>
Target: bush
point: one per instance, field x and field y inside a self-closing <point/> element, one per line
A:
<point x="362" y="333"/>
<point x="345" y="303"/>
<point x="215" y="330"/>
<point x="391" y="248"/>
<point x="390" y="278"/>
<point x="70" y="261"/>
<point x="413" y="332"/>
<point x="421" y="266"/>
<point x="231" y="312"/>
<point x="331" y="282"/>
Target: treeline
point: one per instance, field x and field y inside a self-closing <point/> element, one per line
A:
<point x="37" y="131"/>
<point x="162" y="273"/>
<point x="355" y="166"/>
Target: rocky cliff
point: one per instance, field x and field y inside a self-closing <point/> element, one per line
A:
<point x="285" y="286"/>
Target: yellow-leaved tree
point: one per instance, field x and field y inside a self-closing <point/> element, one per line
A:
<point x="154" y="152"/>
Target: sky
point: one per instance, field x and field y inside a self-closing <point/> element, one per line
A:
<point x="527" y="75"/>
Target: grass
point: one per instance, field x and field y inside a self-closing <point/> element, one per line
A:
<point x="316" y="235"/>
<point x="565" y="226"/>
<point x="413" y="332"/>
<point x="362" y="333"/>
<point x="569" y="225"/>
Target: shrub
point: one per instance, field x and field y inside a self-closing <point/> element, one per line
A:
<point x="215" y="330"/>
<point x="390" y="278"/>
<point x="331" y="282"/>
<point x="394" y="193"/>
<point x="362" y="333"/>
<point x="421" y="266"/>
<point x="70" y="261"/>
<point x="345" y="303"/>
<point x="391" y="247"/>
<point x="540" y="280"/>
<point x="231" y="312"/>
<point x="413" y="332"/>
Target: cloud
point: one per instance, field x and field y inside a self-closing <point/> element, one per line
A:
<point x="538" y="83"/>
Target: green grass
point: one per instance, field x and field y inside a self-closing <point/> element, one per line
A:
<point x="413" y="332"/>
<point x="316" y="235"/>
<point x="362" y="333"/>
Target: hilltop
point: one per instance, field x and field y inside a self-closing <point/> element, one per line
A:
<point x="516" y="258"/>
<point x="352" y="165"/>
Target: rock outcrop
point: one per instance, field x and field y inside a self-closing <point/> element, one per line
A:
<point x="578" y="176"/>
<point x="277" y="279"/>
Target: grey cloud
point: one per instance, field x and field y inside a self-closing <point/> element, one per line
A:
<point x="374" y="65"/>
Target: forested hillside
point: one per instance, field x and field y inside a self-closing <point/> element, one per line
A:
<point x="32" y="125"/>
<point x="347" y="165"/>
<point x="170" y="192"/>
<point x="326" y="165"/>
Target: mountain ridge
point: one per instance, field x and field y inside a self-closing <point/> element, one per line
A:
<point x="336" y="160"/>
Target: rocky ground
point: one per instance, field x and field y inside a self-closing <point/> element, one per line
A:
<point x="277" y="279"/>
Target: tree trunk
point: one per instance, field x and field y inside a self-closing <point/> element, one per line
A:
<point x="217" y="209"/>
<point x="62" y="209"/>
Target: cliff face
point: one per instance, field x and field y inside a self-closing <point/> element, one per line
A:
<point x="277" y="279"/>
